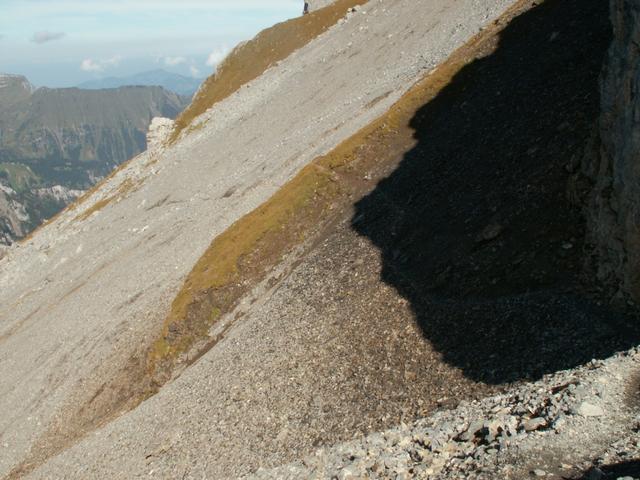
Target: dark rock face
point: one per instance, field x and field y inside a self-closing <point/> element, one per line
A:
<point x="614" y="163"/>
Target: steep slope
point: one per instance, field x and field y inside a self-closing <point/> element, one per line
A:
<point x="87" y="296"/>
<point x="70" y="138"/>
<point x="250" y="59"/>
<point x="401" y="248"/>
<point x="409" y="298"/>
<point x="169" y="81"/>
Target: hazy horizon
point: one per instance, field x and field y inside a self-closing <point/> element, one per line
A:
<point x="68" y="42"/>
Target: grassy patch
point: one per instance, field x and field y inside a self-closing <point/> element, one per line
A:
<point x="20" y="177"/>
<point x="250" y="59"/>
<point x="245" y="250"/>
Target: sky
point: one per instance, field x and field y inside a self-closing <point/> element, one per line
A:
<point x="64" y="43"/>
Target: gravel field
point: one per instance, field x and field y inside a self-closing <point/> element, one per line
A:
<point x="82" y="299"/>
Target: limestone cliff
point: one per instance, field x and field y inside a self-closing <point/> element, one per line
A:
<point x="614" y="165"/>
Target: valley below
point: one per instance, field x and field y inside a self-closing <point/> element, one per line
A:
<point x="55" y="144"/>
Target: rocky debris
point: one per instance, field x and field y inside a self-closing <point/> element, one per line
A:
<point x="490" y="438"/>
<point x="612" y="162"/>
<point x="350" y="13"/>
<point x="620" y="458"/>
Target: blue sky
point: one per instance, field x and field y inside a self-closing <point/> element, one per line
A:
<point x="63" y="43"/>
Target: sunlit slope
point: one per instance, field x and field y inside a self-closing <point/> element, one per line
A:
<point x="250" y="59"/>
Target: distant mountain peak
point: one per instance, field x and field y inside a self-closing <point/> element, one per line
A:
<point x="13" y="88"/>
<point x="174" y="82"/>
<point x="8" y="79"/>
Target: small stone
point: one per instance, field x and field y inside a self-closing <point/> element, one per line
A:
<point x="489" y="232"/>
<point x="534" y="424"/>
<point x="539" y="473"/>
<point x="348" y="473"/>
<point x="587" y="409"/>
<point x="470" y="433"/>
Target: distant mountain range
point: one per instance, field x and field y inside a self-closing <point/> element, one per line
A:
<point x="55" y="143"/>
<point x="170" y="81"/>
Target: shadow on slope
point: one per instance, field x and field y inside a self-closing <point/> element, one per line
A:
<point x="629" y="469"/>
<point x="475" y="227"/>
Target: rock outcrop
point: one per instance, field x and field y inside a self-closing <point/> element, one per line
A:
<point x="159" y="131"/>
<point x="614" y="164"/>
<point x="311" y="5"/>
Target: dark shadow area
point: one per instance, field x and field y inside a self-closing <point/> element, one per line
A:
<point x="475" y="227"/>
<point x="614" y="471"/>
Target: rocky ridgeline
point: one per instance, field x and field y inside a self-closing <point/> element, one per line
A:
<point x="498" y="437"/>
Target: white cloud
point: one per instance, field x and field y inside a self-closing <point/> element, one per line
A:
<point x="112" y="62"/>
<point x="174" y="61"/>
<point x="45" y="36"/>
<point x="217" y="55"/>
<point x="90" y="65"/>
<point x="194" y="71"/>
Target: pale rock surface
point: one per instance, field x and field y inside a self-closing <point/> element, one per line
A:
<point x="159" y="131"/>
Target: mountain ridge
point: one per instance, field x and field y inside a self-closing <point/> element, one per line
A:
<point x="180" y="84"/>
<point x="69" y="138"/>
